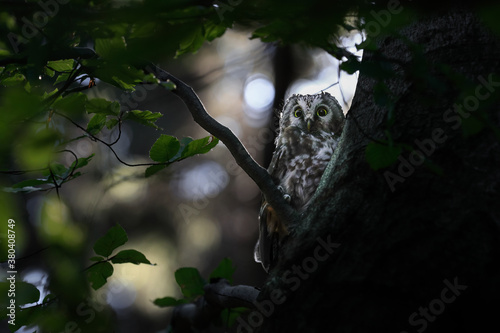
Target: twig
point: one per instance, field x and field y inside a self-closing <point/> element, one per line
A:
<point x="29" y="255"/>
<point x="109" y="145"/>
<point x="74" y="166"/>
<point x="224" y="295"/>
<point x="54" y="181"/>
<point x="20" y="172"/>
<point x="206" y="309"/>
<point x="258" y="174"/>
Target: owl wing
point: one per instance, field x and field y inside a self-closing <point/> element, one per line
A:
<point x="271" y="230"/>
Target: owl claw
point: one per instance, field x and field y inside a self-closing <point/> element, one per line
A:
<point x="286" y="196"/>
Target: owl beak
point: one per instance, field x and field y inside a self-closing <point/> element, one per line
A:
<point x="309" y="123"/>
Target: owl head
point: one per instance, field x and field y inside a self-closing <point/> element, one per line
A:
<point x="313" y="114"/>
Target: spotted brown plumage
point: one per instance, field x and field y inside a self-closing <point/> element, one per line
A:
<point x="310" y="129"/>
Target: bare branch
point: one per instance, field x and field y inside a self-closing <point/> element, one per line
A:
<point x="204" y="310"/>
<point x="109" y="145"/>
<point x="226" y="296"/>
<point x="258" y="174"/>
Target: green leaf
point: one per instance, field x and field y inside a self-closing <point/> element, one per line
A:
<point x="120" y="75"/>
<point x="381" y="156"/>
<point x="61" y="65"/>
<point x="96" y="124"/>
<point x="110" y="123"/>
<point x="168" y="85"/>
<point x="13" y="80"/>
<point x="200" y="146"/>
<point x="49" y="72"/>
<point x="379" y="70"/>
<point x="164" y="148"/>
<point x="103" y="106"/>
<point x="225" y="270"/>
<point x="350" y="66"/>
<point x="147" y="118"/>
<point x="123" y="84"/>
<point x="183" y="142"/>
<point x="27" y="189"/>
<point x="471" y="125"/>
<point x="150" y="78"/>
<point x="130" y="256"/>
<point x="47" y="95"/>
<point x="109" y="47"/>
<point x="368" y="44"/>
<point x="115" y="237"/>
<point x="81" y="162"/>
<point x="62" y="78"/>
<point x="190" y="281"/>
<point x="168" y="301"/>
<point x="48" y="298"/>
<point x="192" y="41"/>
<point x="213" y="31"/>
<point x="57" y="169"/>
<point x="97" y="258"/>
<point x="154" y="169"/>
<point x="99" y="273"/>
<point x="26" y="293"/>
<point x="31" y="183"/>
<point x="71" y="104"/>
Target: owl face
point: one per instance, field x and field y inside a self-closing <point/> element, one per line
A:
<point x="313" y="114"/>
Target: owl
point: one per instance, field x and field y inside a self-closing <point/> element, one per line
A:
<point x="309" y="131"/>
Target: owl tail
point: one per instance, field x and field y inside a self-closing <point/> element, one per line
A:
<point x="271" y="234"/>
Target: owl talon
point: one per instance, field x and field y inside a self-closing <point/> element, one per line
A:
<point x="286" y="196"/>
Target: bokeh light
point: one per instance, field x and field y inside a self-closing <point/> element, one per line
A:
<point x="206" y="179"/>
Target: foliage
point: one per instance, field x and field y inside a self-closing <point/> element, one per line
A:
<point x="47" y="69"/>
<point x="191" y="284"/>
<point x="53" y="53"/>
<point x="30" y="311"/>
<point x="101" y="270"/>
<point x="44" y="92"/>
<point x="167" y="149"/>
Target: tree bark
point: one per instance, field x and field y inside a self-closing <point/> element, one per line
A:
<point x="422" y="254"/>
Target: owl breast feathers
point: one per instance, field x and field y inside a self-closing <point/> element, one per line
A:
<point x="310" y="128"/>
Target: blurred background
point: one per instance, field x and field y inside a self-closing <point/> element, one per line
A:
<point x="201" y="210"/>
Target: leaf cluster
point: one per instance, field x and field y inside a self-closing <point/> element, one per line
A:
<point x="45" y="74"/>
<point x="192" y="285"/>
<point x="46" y="313"/>
<point x="99" y="272"/>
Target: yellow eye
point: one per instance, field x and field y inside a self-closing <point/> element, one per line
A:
<point x="298" y="113"/>
<point x="322" y="112"/>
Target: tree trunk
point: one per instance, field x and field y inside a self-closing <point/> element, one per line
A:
<point x="413" y="247"/>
